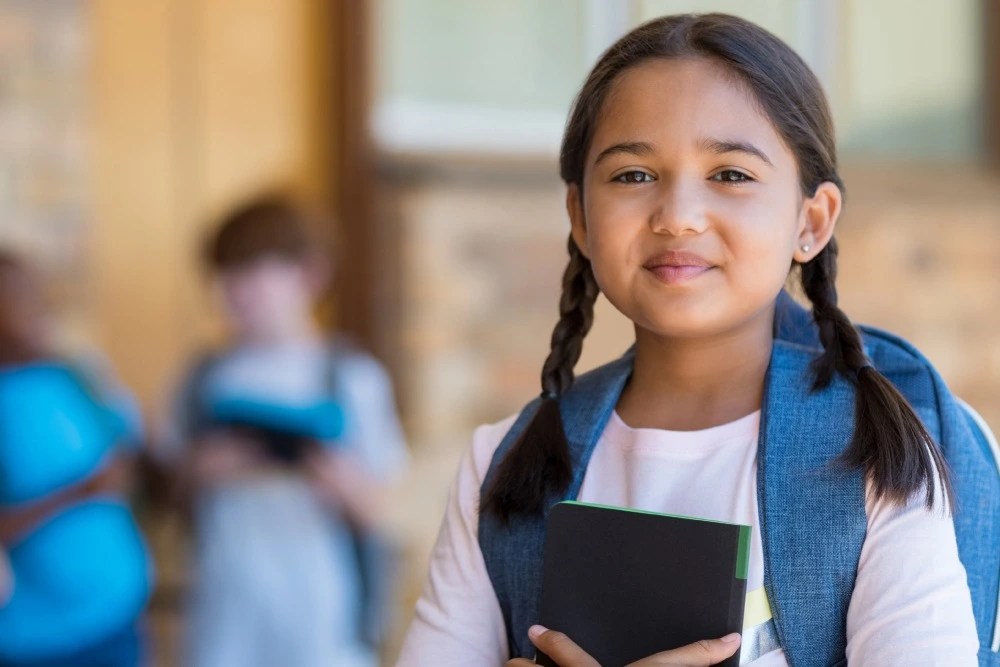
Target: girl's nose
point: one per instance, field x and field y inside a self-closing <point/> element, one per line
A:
<point x="677" y="212"/>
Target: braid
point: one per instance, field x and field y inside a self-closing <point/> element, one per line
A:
<point x="576" y="315"/>
<point x="538" y="464"/>
<point x="890" y="443"/>
<point x="842" y="349"/>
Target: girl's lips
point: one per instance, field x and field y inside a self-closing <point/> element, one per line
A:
<point x="673" y="275"/>
<point x="674" y="267"/>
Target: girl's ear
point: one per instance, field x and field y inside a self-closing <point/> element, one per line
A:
<point x="578" y="225"/>
<point x="817" y="221"/>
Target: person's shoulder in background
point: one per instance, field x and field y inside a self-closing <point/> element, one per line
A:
<point x="98" y="376"/>
<point x="373" y="425"/>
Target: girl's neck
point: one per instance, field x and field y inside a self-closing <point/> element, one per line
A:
<point x="688" y="385"/>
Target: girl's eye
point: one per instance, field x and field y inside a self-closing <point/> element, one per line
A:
<point x="634" y="176"/>
<point x="731" y="176"/>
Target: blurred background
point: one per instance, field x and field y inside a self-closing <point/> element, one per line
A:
<point x="429" y="130"/>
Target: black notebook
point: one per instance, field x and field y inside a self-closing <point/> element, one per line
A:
<point x="625" y="584"/>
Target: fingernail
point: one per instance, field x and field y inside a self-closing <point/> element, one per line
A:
<point x="731" y="637"/>
<point x="536" y="631"/>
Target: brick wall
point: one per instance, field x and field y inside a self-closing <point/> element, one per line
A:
<point x="483" y="251"/>
<point x="43" y="177"/>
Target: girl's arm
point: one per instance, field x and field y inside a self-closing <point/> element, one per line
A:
<point x="343" y="482"/>
<point x="911" y="603"/>
<point x="458" y="619"/>
<point x="18" y="521"/>
<point x="15" y="522"/>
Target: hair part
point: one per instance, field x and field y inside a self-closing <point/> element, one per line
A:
<point x="890" y="444"/>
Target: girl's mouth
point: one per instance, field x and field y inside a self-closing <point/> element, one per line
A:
<point x="673" y="275"/>
<point x="675" y="267"/>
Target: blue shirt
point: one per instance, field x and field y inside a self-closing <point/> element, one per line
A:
<point x="83" y="574"/>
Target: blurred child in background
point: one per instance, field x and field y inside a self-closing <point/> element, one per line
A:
<point x="74" y="572"/>
<point x="283" y="438"/>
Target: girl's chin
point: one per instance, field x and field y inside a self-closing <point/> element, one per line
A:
<point x="704" y="322"/>
<point x="690" y="323"/>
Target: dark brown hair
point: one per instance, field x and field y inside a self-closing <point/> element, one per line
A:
<point x="889" y="443"/>
<point x="268" y="226"/>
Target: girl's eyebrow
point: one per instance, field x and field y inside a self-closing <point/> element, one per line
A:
<point x="720" y="147"/>
<point x="637" y="148"/>
<point x="717" y="146"/>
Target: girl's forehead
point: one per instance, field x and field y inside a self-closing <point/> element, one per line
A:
<point x="679" y="103"/>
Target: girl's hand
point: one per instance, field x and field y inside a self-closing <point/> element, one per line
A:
<point x="565" y="653"/>
<point x="342" y="482"/>
<point x="223" y="455"/>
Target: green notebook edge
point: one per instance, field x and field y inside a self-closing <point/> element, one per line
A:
<point x="743" y="553"/>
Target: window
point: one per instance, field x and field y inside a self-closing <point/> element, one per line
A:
<point x="499" y="77"/>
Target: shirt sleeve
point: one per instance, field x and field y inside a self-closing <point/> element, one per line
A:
<point x="373" y="427"/>
<point x="911" y="603"/>
<point x="457" y="619"/>
<point x="119" y="402"/>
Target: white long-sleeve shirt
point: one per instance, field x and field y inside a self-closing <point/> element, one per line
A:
<point x="910" y="606"/>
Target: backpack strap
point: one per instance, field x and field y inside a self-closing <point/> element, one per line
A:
<point x="376" y="560"/>
<point x="965" y="442"/>
<point x="192" y="414"/>
<point x="341" y="350"/>
<point x="513" y="552"/>
<point x="812" y="511"/>
<point x="989" y="441"/>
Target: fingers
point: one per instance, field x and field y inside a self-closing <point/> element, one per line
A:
<point x="699" y="654"/>
<point x="560" y="648"/>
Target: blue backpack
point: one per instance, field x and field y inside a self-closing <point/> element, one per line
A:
<point x="84" y="574"/>
<point x="812" y="513"/>
<point x="969" y="446"/>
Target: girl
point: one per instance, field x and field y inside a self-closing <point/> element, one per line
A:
<point x="76" y="568"/>
<point x="700" y="167"/>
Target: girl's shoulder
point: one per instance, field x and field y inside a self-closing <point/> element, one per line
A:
<point x="486" y="438"/>
<point x="914" y="375"/>
<point x="891" y="352"/>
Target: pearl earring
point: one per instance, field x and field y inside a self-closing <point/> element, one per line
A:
<point x="805" y="248"/>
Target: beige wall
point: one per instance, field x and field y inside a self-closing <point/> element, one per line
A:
<point x="195" y="103"/>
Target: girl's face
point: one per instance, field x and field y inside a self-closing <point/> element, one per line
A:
<point x="691" y="210"/>
<point x="24" y="322"/>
